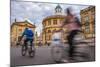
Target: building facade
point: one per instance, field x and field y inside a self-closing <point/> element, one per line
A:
<point x="88" y="21"/>
<point x="17" y="29"/>
<point x="52" y="23"/>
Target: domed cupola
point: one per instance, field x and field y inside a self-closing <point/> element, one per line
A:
<point x="58" y="10"/>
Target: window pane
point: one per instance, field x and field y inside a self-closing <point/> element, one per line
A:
<point x="55" y="21"/>
<point x="49" y="22"/>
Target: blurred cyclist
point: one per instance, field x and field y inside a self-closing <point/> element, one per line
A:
<point x="73" y="26"/>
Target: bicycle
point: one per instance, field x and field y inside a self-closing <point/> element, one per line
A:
<point x="29" y="48"/>
<point x="60" y="52"/>
<point x="81" y="52"/>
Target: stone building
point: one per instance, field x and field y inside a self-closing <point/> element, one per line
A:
<point x="17" y="29"/>
<point x="88" y="21"/>
<point x="52" y="23"/>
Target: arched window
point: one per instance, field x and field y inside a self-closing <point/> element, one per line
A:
<point x="49" y="22"/>
<point x="61" y="21"/>
<point x="55" y="21"/>
<point x="49" y="37"/>
<point x="49" y="31"/>
<point x="87" y="25"/>
<point x="20" y="30"/>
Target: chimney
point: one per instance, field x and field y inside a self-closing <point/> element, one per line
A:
<point x="15" y="20"/>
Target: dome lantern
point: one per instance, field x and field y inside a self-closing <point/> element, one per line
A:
<point x="58" y="9"/>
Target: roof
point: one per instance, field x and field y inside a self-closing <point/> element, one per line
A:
<point x="58" y="7"/>
<point x="87" y="9"/>
<point x="23" y="23"/>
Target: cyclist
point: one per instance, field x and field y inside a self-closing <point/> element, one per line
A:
<point x="28" y="34"/>
<point x="73" y="26"/>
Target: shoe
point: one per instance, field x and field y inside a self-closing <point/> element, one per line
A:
<point x="65" y="61"/>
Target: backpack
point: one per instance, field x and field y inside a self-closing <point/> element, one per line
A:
<point x="30" y="33"/>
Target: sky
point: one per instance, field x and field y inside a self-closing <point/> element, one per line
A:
<point x="35" y="12"/>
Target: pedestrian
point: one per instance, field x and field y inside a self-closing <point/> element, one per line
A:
<point x="40" y="44"/>
<point x="57" y="37"/>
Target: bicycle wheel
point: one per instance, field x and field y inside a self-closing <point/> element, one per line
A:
<point x="31" y="51"/>
<point x="56" y="53"/>
<point x="23" y="52"/>
<point x="81" y="53"/>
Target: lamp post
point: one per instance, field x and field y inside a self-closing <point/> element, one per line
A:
<point x="15" y="39"/>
